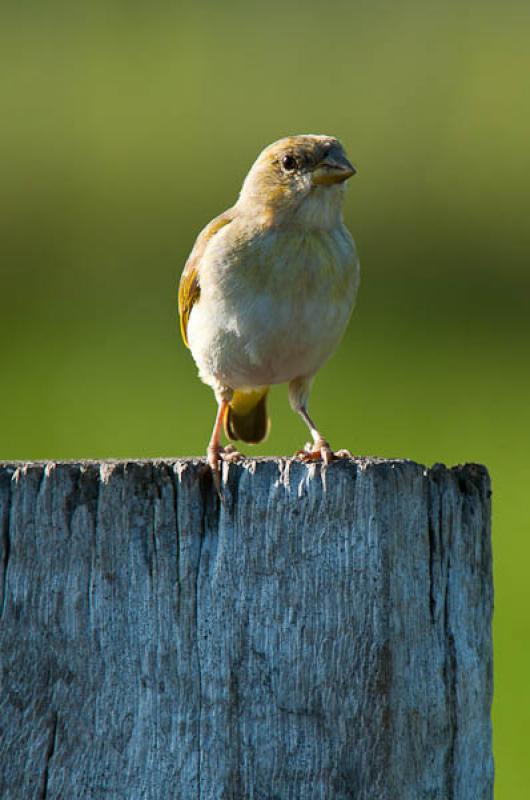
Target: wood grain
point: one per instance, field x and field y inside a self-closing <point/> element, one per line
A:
<point x="317" y="635"/>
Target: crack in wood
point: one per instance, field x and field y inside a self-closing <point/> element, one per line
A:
<point x="50" y="750"/>
<point x="432" y="554"/>
<point x="6" y="552"/>
<point x="202" y="535"/>
<point x="6" y="479"/>
<point x="172" y="474"/>
<point x="450" y="663"/>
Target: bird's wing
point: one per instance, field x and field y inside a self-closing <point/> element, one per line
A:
<point x="190" y="288"/>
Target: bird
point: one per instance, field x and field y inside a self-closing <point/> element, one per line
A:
<point x="268" y="290"/>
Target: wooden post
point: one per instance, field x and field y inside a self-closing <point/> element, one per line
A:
<point x="321" y="634"/>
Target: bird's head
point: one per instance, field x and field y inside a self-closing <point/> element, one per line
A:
<point x="300" y="180"/>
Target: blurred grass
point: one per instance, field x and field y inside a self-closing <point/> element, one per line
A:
<point x="127" y="126"/>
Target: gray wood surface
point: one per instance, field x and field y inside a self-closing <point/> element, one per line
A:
<point x="315" y="636"/>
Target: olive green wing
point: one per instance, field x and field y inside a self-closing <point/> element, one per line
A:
<point x="190" y="287"/>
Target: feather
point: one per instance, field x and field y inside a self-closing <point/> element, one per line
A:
<point x="189" y="287"/>
<point x="246" y="417"/>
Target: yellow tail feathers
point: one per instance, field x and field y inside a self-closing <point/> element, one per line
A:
<point x="246" y="418"/>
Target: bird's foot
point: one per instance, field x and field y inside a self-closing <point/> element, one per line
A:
<point x="231" y="454"/>
<point x="216" y="454"/>
<point x="343" y="453"/>
<point x="320" y="451"/>
<point x="214" y="462"/>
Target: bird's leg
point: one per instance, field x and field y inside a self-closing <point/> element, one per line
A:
<point x="215" y="451"/>
<point x="214" y="446"/>
<point x="320" y="450"/>
<point x="299" y="397"/>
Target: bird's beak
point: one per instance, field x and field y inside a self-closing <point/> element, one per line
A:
<point x="334" y="168"/>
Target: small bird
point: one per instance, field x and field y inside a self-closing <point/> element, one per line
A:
<point x="268" y="289"/>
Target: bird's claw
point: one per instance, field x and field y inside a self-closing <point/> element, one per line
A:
<point x="320" y="451"/>
<point x="343" y="453"/>
<point x="230" y="455"/>
<point x="214" y="458"/>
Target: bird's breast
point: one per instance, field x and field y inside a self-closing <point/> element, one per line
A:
<point x="274" y="307"/>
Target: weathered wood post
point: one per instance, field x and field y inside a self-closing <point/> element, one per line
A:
<point x="318" y="635"/>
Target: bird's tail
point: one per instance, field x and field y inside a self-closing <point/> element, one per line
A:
<point x="246" y="417"/>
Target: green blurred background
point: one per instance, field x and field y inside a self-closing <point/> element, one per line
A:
<point x="127" y="126"/>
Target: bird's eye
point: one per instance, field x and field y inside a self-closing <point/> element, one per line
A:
<point x="289" y="163"/>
